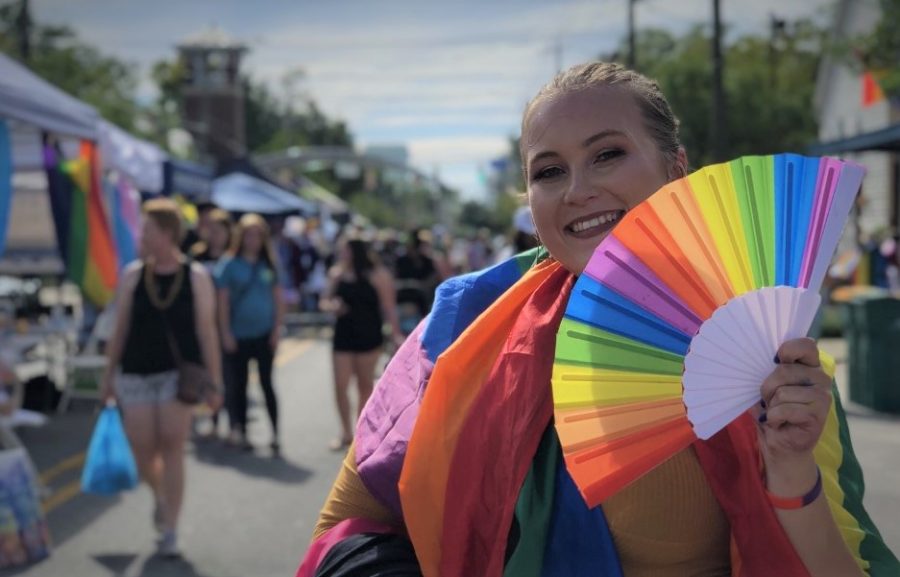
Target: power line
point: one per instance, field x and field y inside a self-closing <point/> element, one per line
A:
<point x="631" y="41"/>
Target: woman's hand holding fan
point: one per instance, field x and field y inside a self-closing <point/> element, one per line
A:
<point x="797" y="398"/>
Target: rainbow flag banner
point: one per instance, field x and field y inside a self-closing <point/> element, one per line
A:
<point x="82" y="229"/>
<point x="125" y="207"/>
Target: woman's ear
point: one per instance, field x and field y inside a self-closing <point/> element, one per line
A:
<point x="681" y="163"/>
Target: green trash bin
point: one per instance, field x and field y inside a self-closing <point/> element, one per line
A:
<point x="872" y="330"/>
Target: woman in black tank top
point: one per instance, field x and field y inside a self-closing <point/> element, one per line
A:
<point x="164" y="312"/>
<point x="361" y="294"/>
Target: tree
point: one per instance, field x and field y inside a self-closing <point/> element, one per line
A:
<point x="476" y="215"/>
<point x="769" y="84"/>
<point x="61" y="58"/>
<point x="273" y="124"/>
<point x="164" y="113"/>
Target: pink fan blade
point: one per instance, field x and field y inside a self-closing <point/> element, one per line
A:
<point x="848" y="184"/>
<point x="619" y="269"/>
<point x="826" y="184"/>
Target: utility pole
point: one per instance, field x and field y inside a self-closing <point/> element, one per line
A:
<point x="23" y="27"/>
<point x="631" y="49"/>
<point x="719" y="120"/>
<point x="777" y="28"/>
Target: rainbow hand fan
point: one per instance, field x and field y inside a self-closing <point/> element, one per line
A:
<point x="675" y="323"/>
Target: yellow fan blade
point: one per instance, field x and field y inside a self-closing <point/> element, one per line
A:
<point x="714" y="191"/>
<point x="677" y="208"/>
<point x="580" y="386"/>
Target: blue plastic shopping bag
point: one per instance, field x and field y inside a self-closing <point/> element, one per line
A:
<point x="109" y="467"/>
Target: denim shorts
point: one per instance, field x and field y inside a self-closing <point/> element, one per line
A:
<point x="155" y="388"/>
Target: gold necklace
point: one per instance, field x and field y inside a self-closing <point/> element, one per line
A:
<point x="153" y="291"/>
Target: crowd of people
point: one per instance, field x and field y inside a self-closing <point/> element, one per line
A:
<point x="215" y="296"/>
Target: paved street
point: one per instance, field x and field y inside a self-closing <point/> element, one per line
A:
<point x="245" y="515"/>
<point x="251" y="515"/>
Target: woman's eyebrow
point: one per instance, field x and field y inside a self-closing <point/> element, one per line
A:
<point x="543" y="155"/>
<point x="601" y="135"/>
<point x="587" y="142"/>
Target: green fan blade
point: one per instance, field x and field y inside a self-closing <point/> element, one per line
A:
<point x="753" y="185"/>
<point x="580" y="344"/>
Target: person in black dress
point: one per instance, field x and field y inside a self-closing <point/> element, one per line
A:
<point x="417" y="277"/>
<point x="361" y="294"/>
<point x="164" y="310"/>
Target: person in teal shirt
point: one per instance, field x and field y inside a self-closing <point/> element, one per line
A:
<point x="250" y="317"/>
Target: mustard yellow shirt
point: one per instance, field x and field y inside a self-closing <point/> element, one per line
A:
<point x="666" y="524"/>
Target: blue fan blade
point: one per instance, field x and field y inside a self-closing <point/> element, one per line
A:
<point x="599" y="306"/>
<point x="791" y="212"/>
<point x="795" y="189"/>
<point x="803" y="216"/>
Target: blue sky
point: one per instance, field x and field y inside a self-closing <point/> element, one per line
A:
<point x="448" y="79"/>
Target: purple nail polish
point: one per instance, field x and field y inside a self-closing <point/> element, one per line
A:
<point x="763" y="417"/>
<point x="762" y="403"/>
<point x="777" y="360"/>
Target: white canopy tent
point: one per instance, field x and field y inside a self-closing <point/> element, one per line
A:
<point x="33" y="105"/>
<point x="29" y="98"/>
<point x="138" y="159"/>
<point x="240" y="192"/>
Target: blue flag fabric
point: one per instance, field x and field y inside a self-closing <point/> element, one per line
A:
<point x="6" y="171"/>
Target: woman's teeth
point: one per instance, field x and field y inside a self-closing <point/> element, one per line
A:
<point x="584" y="225"/>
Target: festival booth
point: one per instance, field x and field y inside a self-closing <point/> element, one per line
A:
<point x="28" y="105"/>
<point x="188" y="180"/>
<point x="140" y="161"/>
<point x="57" y="140"/>
<point x="240" y="193"/>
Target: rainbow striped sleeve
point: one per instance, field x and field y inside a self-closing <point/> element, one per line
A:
<point x="844" y="488"/>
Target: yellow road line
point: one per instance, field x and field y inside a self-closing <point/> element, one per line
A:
<point x="62" y="495"/>
<point x="291" y="351"/>
<point x="58" y="469"/>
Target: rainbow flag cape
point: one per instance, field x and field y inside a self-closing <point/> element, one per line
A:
<point x="457" y="440"/>
<point x="82" y="229"/>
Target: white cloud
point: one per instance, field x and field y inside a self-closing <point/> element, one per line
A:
<point x="436" y="151"/>
<point x="458" y="72"/>
<point x="502" y="119"/>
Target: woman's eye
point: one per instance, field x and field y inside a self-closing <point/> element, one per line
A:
<point x="610" y="154"/>
<point x="549" y="172"/>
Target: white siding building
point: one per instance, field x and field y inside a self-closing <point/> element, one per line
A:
<point x="868" y="134"/>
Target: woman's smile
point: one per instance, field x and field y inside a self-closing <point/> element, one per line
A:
<point x="594" y="224"/>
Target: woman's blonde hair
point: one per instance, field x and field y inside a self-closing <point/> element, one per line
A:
<point x="661" y="123"/>
<point x="166" y="216"/>
<point x="251" y="220"/>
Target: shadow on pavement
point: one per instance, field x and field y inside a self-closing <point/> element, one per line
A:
<point x="116" y="564"/>
<point x="73" y="517"/>
<point x="13" y="571"/>
<point x="249" y="463"/>
<point x="157" y="566"/>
